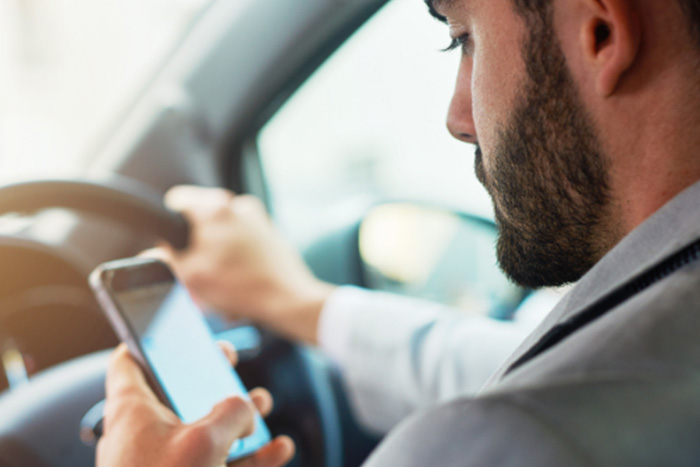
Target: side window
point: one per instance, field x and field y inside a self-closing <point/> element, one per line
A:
<point x="369" y="126"/>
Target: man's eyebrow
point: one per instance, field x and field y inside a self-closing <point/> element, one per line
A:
<point x="434" y="4"/>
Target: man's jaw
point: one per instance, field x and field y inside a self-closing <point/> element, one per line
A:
<point x="480" y="172"/>
<point x="479" y="167"/>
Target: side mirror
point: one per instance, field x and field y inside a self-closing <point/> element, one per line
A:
<point x="436" y="254"/>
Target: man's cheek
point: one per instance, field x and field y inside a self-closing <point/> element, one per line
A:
<point x="485" y="113"/>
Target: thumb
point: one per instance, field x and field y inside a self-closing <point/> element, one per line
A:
<point x="229" y="420"/>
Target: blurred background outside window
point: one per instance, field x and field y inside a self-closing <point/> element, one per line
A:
<point x="369" y="126"/>
<point x="67" y="69"/>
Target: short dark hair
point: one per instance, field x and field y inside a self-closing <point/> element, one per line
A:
<point x="541" y="9"/>
<point x="691" y="8"/>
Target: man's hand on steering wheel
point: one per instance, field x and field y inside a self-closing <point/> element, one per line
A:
<point x="140" y="431"/>
<point x="238" y="263"/>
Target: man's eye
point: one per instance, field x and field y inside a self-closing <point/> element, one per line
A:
<point x="457" y="42"/>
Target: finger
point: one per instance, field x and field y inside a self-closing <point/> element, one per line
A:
<point x="179" y="197"/>
<point x="262" y="399"/>
<point x="276" y="453"/>
<point x="162" y="253"/>
<point x="229" y="352"/>
<point x="124" y="375"/>
<point x="249" y="205"/>
<point x="229" y="420"/>
<point x="189" y="199"/>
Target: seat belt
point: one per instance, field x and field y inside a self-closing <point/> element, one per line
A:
<point x="608" y="302"/>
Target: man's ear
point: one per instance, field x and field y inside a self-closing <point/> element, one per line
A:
<point x="611" y="37"/>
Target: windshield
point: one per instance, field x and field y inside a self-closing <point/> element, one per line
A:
<point x="70" y="66"/>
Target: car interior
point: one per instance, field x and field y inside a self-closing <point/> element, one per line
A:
<point x="330" y="111"/>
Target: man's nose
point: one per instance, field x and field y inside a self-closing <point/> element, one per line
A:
<point x="460" y="120"/>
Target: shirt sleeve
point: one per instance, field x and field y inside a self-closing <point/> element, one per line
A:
<point x="400" y="354"/>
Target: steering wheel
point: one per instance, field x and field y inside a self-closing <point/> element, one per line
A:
<point x="120" y="199"/>
<point x="40" y="422"/>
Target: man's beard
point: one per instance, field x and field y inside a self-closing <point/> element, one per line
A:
<point x="548" y="177"/>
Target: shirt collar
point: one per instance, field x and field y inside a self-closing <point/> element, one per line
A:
<point x="674" y="226"/>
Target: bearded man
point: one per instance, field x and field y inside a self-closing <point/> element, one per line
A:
<point x="586" y="114"/>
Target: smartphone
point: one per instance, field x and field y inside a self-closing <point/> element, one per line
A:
<point x="167" y="335"/>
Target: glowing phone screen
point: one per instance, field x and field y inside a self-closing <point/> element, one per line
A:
<point x="182" y="353"/>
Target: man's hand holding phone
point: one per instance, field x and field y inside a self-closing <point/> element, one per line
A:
<point x="177" y="402"/>
<point x="140" y="431"/>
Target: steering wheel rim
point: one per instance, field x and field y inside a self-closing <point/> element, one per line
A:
<point x="125" y="201"/>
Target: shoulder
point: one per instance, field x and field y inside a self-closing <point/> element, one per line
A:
<point x="652" y="335"/>
<point x="602" y="422"/>
<point x="623" y="391"/>
<point x="474" y="432"/>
